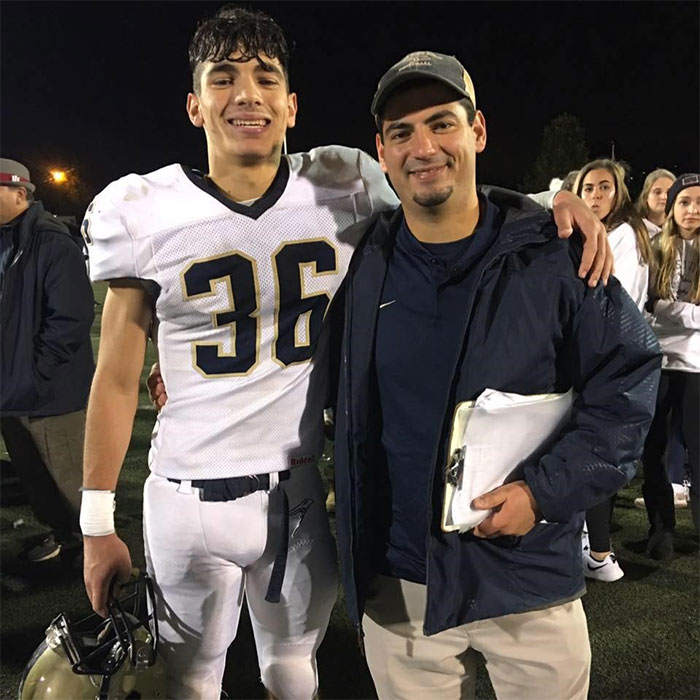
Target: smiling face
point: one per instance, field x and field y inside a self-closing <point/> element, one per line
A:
<point x="598" y="191"/>
<point x="428" y="148"/>
<point x="656" y="200"/>
<point x="686" y="211"/>
<point x="245" y="109"/>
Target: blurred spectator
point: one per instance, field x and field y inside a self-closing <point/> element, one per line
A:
<point x="652" y="199"/>
<point x="46" y="365"/>
<point x="651" y="206"/>
<point x="569" y="181"/>
<point x="601" y="184"/>
<point x="674" y="301"/>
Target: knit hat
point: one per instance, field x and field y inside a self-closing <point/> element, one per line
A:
<point x="682" y="182"/>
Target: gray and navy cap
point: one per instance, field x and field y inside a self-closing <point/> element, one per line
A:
<point x="14" y="174"/>
<point x="424" y="64"/>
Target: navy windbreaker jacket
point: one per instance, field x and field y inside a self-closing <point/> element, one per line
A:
<point x="530" y="327"/>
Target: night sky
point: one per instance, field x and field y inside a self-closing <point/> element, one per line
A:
<point x="100" y="87"/>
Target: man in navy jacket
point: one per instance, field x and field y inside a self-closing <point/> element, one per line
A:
<point x="46" y="311"/>
<point x="459" y="290"/>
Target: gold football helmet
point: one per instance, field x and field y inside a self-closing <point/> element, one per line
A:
<point x="100" y="659"/>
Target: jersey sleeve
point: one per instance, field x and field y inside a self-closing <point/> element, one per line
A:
<point x="110" y="244"/>
<point x="381" y="196"/>
<point x="544" y="199"/>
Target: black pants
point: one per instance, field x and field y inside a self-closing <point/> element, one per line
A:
<point x="676" y="389"/>
<point x="53" y="488"/>
<point x="598" y="524"/>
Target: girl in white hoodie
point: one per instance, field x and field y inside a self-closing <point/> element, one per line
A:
<point x="601" y="184"/>
<point x="674" y="301"/>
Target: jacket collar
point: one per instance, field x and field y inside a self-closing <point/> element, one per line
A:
<point x="37" y="218"/>
<point x="524" y="222"/>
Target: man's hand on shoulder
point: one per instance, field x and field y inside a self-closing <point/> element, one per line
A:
<point x="106" y="558"/>
<point x="571" y="212"/>
<point x="515" y="511"/>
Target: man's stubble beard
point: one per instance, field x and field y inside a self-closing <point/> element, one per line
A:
<point x="433" y="199"/>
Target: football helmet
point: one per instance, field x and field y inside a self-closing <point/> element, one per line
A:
<point x="101" y="659"/>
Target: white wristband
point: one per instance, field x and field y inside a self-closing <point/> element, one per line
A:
<point x="97" y="513"/>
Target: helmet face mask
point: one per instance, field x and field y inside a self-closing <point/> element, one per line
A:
<point x="101" y="658"/>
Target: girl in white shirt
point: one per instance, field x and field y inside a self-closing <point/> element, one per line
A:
<point x="601" y="184"/>
<point x="674" y="300"/>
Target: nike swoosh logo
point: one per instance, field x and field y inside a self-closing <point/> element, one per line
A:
<point x="387" y="303"/>
<point x="595" y="568"/>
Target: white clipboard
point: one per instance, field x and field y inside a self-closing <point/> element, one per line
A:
<point x="490" y="438"/>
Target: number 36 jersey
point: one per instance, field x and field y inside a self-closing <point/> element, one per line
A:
<point x="240" y="295"/>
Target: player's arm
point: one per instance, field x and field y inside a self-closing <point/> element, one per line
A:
<point x="571" y="212"/>
<point x="110" y="416"/>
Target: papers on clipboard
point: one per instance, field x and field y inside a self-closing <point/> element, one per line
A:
<point x="491" y="437"/>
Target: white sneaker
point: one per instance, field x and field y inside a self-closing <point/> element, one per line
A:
<point x="607" y="570"/>
<point x="584" y="539"/>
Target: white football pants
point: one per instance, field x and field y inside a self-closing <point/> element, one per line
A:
<point x="204" y="556"/>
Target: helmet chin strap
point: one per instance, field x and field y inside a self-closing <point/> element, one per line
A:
<point x="284" y="145"/>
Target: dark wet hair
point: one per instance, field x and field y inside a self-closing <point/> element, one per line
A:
<point x="233" y="29"/>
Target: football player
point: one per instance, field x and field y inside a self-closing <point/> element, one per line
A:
<point x="235" y="270"/>
<point x="232" y="272"/>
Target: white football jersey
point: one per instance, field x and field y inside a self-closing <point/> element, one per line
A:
<point x="241" y="297"/>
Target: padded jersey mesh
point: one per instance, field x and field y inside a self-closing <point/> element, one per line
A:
<point x="240" y="331"/>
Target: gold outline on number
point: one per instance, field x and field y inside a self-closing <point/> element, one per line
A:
<point x="226" y="279"/>
<point x="305" y="319"/>
<point x="302" y="292"/>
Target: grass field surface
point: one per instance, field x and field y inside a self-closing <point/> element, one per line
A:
<point x="644" y="629"/>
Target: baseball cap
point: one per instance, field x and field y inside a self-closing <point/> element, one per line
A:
<point x="14" y="174"/>
<point x="424" y="64"/>
<point x="682" y="182"/>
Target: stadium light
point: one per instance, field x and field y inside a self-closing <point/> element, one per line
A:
<point x="59" y="177"/>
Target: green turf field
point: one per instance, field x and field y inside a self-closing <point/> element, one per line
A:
<point x="644" y="629"/>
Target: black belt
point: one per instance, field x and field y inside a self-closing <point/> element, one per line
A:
<point x="220" y="490"/>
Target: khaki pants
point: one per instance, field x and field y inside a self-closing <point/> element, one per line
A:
<point x="540" y="655"/>
<point x="47" y="455"/>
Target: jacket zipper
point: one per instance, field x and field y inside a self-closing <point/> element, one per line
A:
<point x="458" y="459"/>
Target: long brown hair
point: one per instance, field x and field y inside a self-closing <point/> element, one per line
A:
<point x="622" y="210"/>
<point x="667" y="248"/>
<point x="651" y="178"/>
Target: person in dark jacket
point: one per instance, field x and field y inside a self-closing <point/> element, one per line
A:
<point x="46" y="366"/>
<point x="460" y="290"/>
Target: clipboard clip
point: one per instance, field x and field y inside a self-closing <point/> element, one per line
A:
<point x="454" y="468"/>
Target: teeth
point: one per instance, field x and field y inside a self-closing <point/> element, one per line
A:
<point x="246" y="122"/>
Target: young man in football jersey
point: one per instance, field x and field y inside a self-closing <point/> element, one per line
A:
<point x="232" y="272"/>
